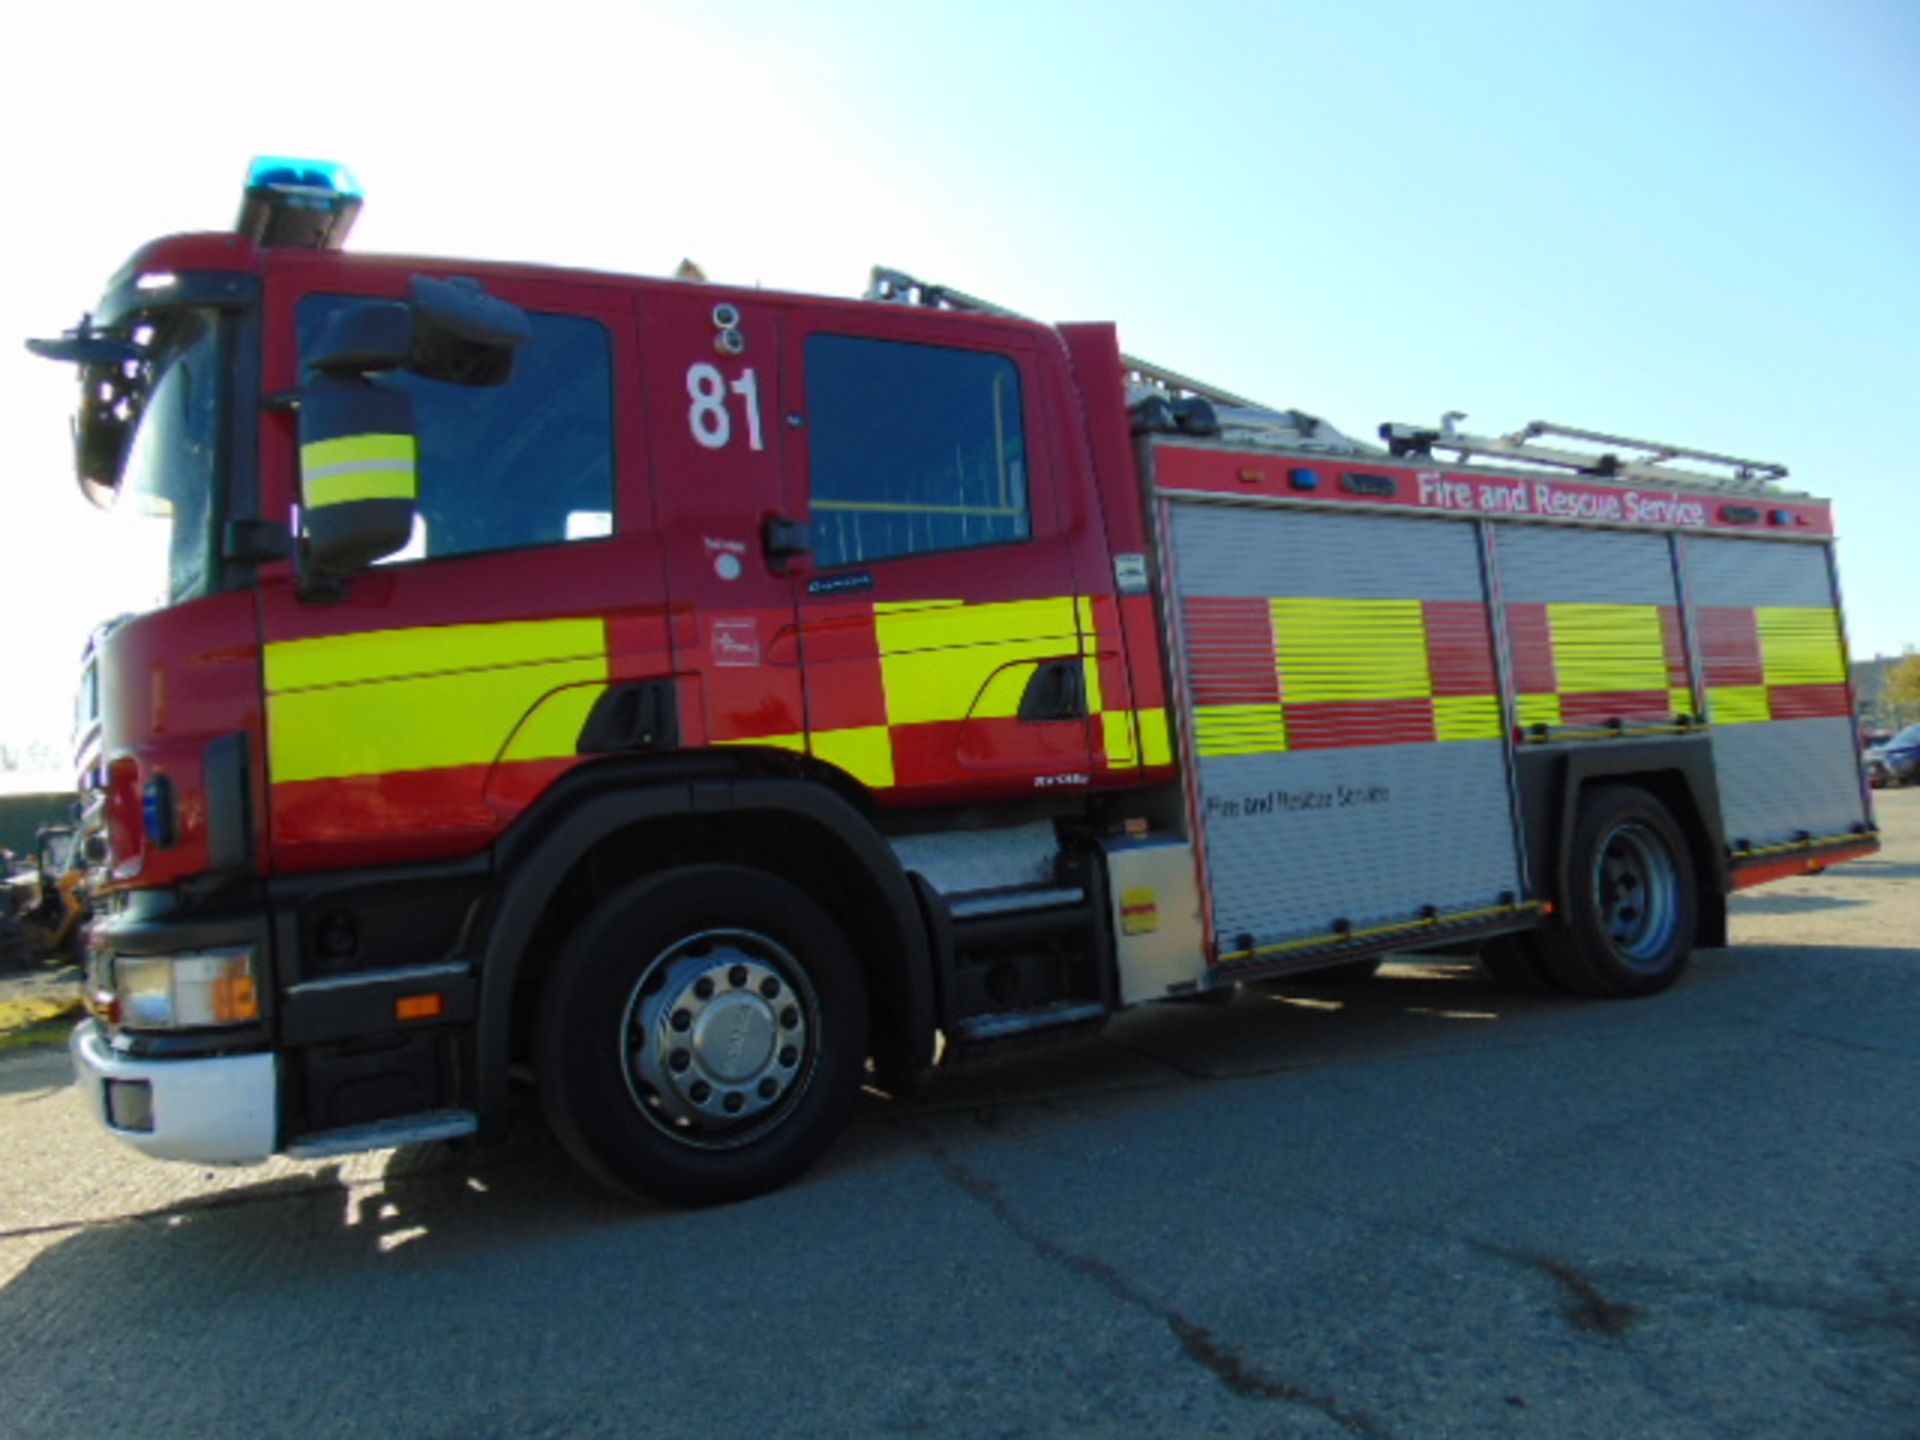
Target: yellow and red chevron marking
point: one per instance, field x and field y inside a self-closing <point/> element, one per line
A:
<point x="1271" y="675"/>
<point x="1772" y="663"/>
<point x="927" y="693"/>
<point x="1577" y="663"/>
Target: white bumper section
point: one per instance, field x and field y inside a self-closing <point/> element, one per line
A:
<point x="220" y="1111"/>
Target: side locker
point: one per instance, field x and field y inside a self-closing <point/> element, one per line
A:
<point x="1350" y="761"/>
<point x="1593" y="630"/>
<point x="1776" y="680"/>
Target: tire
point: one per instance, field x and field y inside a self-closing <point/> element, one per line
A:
<point x="702" y="1037"/>
<point x="1628" y="919"/>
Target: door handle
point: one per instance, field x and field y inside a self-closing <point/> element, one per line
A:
<point x="782" y="539"/>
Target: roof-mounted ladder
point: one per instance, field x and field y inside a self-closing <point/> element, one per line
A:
<point x="1649" y="466"/>
<point x="899" y="288"/>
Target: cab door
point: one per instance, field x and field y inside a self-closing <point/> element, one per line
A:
<point x="942" y="629"/>
<point x="414" y="713"/>
<point x="712" y="375"/>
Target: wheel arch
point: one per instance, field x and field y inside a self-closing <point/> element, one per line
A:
<point x="587" y="837"/>
<point x="1678" y="772"/>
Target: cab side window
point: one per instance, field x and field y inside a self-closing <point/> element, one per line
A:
<point x="912" y="449"/>
<point x="526" y="463"/>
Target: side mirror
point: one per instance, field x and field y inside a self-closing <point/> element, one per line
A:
<point x="463" y="335"/>
<point x="359" y="472"/>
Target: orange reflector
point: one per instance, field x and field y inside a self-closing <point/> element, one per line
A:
<point x="418" y="1007"/>
<point x="235" y="1000"/>
<point x="1252" y="477"/>
<point x="1546" y="907"/>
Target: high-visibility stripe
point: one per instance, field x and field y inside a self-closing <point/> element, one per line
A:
<point x="1344" y="650"/>
<point x="1156" y="741"/>
<point x="1800" y="645"/>
<point x="865" y="752"/>
<point x="1119" y="739"/>
<point x="1537" y="710"/>
<point x="1239" y="729"/>
<point x="1376" y="932"/>
<point x="936" y="657"/>
<point x="435" y="649"/>
<point x="1601" y="648"/>
<point x="422" y="723"/>
<point x="1466" y="717"/>
<point x="386" y="701"/>
<point x="358" y="467"/>
<point x="1738" y="705"/>
<point x="387" y="482"/>
<point x="553" y="728"/>
<point x="1000" y="695"/>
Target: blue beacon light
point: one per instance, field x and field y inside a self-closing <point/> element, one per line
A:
<point x="302" y="204"/>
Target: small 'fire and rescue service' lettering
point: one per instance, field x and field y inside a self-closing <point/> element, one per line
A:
<point x="1558" y="502"/>
<point x="1275" y="802"/>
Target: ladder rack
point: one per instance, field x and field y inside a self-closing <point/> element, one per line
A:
<point x="1623" y="458"/>
<point x="899" y="288"/>
<point x="1649" y="466"/>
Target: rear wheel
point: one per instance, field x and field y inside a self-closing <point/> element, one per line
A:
<point x="703" y="1036"/>
<point x="1627" y="923"/>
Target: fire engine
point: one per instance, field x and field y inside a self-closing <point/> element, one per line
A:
<point x="702" y="701"/>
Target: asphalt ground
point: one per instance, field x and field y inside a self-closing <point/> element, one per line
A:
<point x="1417" y="1206"/>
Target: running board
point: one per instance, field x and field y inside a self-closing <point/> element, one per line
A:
<point x="1013" y="900"/>
<point x="386" y="1134"/>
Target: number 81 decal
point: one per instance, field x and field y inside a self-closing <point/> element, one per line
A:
<point x="709" y="417"/>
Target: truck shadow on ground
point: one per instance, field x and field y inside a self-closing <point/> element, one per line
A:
<point x="389" y="1228"/>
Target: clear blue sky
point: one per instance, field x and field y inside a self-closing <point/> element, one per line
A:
<point x="1695" y="221"/>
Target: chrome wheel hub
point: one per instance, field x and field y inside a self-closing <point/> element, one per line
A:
<point x="718" y="1037"/>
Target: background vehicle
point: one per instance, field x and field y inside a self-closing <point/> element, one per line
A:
<point x="700" y="697"/>
<point x="46" y="895"/>
<point x="1896" y="761"/>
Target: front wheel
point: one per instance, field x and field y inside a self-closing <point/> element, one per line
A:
<point x="1628" y="919"/>
<point x="703" y="1036"/>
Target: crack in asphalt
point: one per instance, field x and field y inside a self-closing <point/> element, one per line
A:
<point x="1588" y="1308"/>
<point x="1197" y="1343"/>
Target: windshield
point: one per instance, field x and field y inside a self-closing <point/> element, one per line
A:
<point x="163" y="546"/>
<point x="1906" y="738"/>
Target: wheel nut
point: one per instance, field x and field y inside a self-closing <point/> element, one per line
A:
<point x="769" y="1088"/>
<point x="769" y="987"/>
<point x="680" y="1021"/>
<point x="788" y="1055"/>
<point x="702" y="1092"/>
<point x="737" y="976"/>
<point x="789" y="1018"/>
<point x="703" y="987"/>
<point x="680" y="1060"/>
<point x="734" y="1101"/>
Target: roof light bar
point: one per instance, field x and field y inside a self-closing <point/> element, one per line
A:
<point x="304" y="204"/>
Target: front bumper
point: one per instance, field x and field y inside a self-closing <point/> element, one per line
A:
<point x="221" y="1110"/>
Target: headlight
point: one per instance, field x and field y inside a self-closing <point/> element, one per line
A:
<point x="184" y="992"/>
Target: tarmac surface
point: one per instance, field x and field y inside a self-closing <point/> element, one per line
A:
<point x="1417" y="1206"/>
